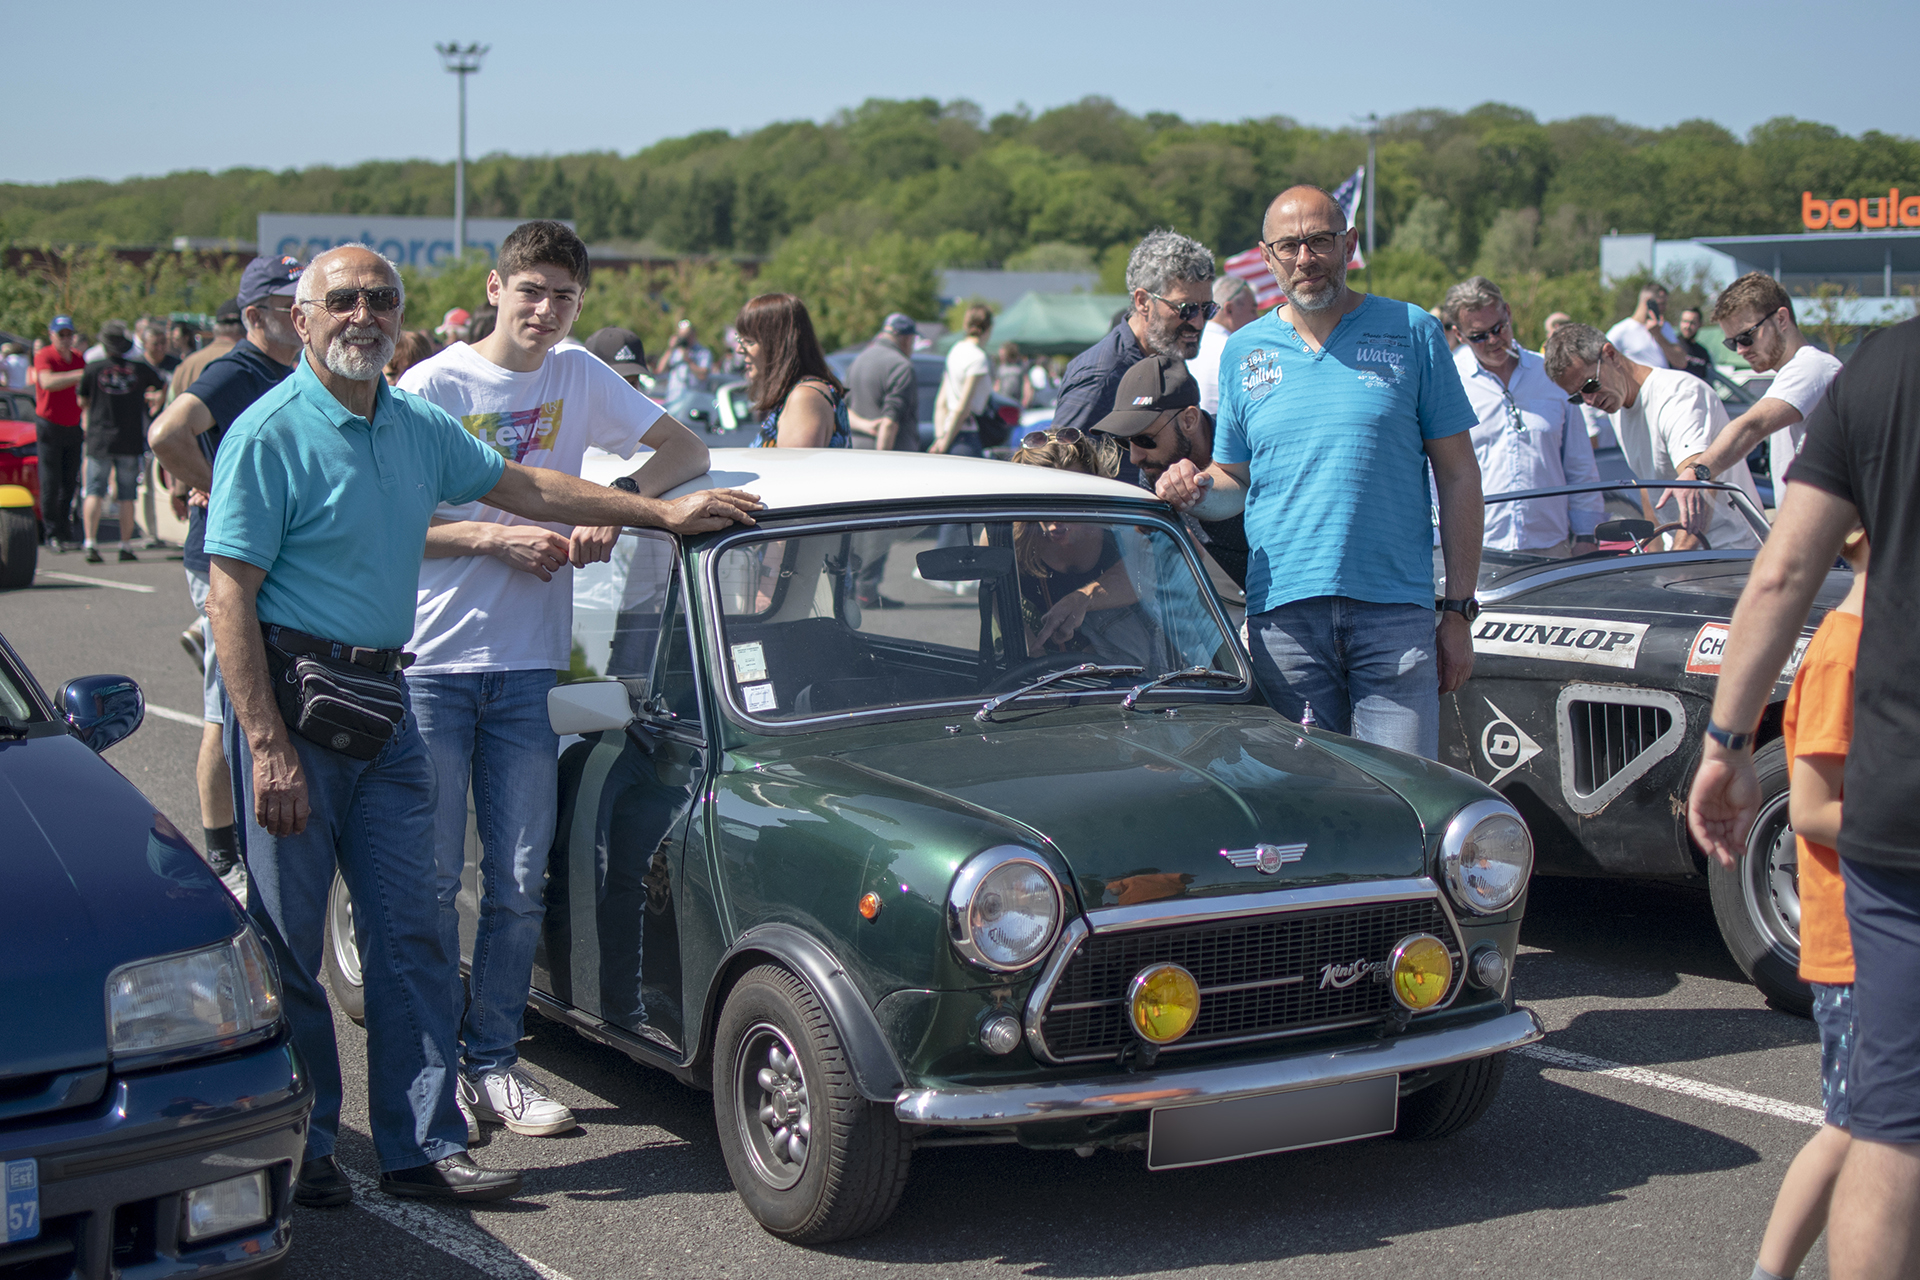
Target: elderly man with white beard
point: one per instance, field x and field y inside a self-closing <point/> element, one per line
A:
<point x="323" y="491"/>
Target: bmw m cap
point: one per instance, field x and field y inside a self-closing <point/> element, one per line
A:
<point x="1147" y="390"/>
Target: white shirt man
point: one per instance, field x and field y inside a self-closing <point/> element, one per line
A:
<point x="1645" y="337"/>
<point x="1235" y="300"/>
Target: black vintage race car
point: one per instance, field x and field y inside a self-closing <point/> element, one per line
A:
<point x="1592" y="682"/>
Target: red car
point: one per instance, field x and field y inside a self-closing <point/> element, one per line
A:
<point x="19" y="489"/>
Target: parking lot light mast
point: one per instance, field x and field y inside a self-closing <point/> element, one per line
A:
<point x="463" y="61"/>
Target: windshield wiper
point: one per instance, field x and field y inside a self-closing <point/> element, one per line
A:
<point x="1188" y="673"/>
<point x="987" y="708"/>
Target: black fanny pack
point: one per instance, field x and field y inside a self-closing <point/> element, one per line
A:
<point x="337" y="696"/>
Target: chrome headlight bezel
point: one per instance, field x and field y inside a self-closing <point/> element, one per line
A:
<point x="193" y="1003"/>
<point x="1453" y="864"/>
<point x="974" y="874"/>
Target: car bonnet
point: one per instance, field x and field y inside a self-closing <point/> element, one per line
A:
<point x="95" y="878"/>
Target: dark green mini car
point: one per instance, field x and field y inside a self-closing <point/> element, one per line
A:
<point x="1010" y="852"/>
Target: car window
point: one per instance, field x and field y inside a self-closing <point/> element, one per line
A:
<point x="679" y="695"/>
<point x="15" y="706"/>
<point x="617" y="607"/>
<point x="997" y="604"/>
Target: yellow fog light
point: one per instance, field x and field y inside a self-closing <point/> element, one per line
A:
<point x="1164" y="1001"/>
<point x="1422" y="971"/>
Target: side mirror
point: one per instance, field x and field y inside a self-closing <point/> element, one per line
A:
<point x="589" y="706"/>
<point x="101" y="710"/>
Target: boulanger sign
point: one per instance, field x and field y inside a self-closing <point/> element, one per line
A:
<point x="411" y="242"/>
<point x="1890" y="210"/>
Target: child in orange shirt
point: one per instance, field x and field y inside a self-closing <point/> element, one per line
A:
<point x="1817" y="728"/>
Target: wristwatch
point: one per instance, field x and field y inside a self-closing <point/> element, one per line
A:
<point x="1700" y="471"/>
<point x="1468" y="608"/>
<point x="1731" y="741"/>
<point x="625" y="484"/>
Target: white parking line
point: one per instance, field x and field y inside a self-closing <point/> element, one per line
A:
<point x="83" y="580"/>
<point x="482" y="1252"/>
<point x="168" y="713"/>
<point x="1674" y="1084"/>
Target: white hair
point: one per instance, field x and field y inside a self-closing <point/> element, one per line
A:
<point x="308" y="290"/>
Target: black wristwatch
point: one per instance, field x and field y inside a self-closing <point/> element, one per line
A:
<point x="1700" y="471"/>
<point x="625" y="484"/>
<point x="1731" y="741"/>
<point x="1468" y="608"/>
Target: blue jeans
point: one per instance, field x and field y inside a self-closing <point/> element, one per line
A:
<point x="1369" y="670"/>
<point x="374" y="818"/>
<point x="489" y="728"/>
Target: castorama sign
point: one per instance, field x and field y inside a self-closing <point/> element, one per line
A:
<point x="411" y="242"/>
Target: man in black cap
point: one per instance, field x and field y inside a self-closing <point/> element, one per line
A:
<point x="1157" y="416"/>
<point x="228" y="329"/>
<point x="113" y="400"/>
<point x="885" y="408"/>
<point x="184" y="438"/>
<point x="622" y="350"/>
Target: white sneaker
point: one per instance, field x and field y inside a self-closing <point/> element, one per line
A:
<point x="466" y="1112"/>
<point x="512" y="1098"/>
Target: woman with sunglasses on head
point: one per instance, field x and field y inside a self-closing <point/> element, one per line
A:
<point x="1068" y="569"/>
<point x="804" y="405"/>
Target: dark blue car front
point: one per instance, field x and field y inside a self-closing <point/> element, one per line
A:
<point x="152" y="1111"/>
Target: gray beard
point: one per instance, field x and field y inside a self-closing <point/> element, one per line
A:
<point x="355" y="363"/>
<point x="1320" y="301"/>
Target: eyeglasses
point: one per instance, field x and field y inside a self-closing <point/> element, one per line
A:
<point x="1493" y="331"/>
<point x="1065" y="435"/>
<point x="1188" y="310"/>
<point x="1587" y="388"/>
<point x="1744" y="339"/>
<point x="1320" y="244"/>
<point x="344" y="302"/>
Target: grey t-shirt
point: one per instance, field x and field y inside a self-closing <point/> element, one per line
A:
<point x="882" y="385"/>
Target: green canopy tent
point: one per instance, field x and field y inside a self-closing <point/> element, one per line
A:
<point x="1056" y="324"/>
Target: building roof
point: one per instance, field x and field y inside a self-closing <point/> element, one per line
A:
<point x="793" y="479"/>
<point x="1820" y="252"/>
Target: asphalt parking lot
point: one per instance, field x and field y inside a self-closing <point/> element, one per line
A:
<point x="1645" y="1137"/>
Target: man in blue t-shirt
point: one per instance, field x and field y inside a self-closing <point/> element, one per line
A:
<point x="1332" y="409"/>
<point x="184" y="438"/>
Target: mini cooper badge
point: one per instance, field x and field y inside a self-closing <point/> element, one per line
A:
<point x="1267" y="859"/>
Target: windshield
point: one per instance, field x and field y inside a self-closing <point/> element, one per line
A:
<point x="983" y="609"/>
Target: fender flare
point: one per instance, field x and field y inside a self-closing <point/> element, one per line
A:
<point x="876" y="1071"/>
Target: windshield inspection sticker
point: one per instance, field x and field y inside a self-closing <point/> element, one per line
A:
<point x="759" y="696"/>
<point x="1710" y="646"/>
<point x="1597" y="641"/>
<point x="749" y="663"/>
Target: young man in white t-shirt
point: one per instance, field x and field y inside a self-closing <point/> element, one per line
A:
<point x="493" y="623"/>
<point x="1666" y="420"/>
<point x="1757" y="316"/>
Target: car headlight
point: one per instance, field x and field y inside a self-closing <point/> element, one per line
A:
<point x="1486" y="856"/>
<point x="196" y="997"/>
<point x="1003" y="909"/>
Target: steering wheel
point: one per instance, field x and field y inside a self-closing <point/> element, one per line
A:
<point x="1672" y="526"/>
<point x="1033" y="668"/>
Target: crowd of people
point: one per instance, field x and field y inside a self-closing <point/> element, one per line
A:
<point x="363" y="501"/>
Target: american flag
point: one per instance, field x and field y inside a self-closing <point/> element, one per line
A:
<point x="1252" y="268"/>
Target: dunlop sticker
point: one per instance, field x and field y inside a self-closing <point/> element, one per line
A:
<point x="1710" y="646"/>
<point x="1596" y="641"/>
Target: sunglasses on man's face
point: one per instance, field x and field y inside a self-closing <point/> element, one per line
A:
<point x="1148" y="439"/>
<point x="1587" y="388"/>
<point x="344" y="302"/>
<point x="1188" y="310"/>
<point x="1744" y="339"/>
<point x="1493" y="331"/>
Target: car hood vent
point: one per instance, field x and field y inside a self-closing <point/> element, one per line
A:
<point x="1610" y="736"/>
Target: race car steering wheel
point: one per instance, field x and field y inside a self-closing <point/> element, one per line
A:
<point x="1640" y="545"/>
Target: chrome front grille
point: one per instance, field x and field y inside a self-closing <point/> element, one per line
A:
<point x="1263" y="976"/>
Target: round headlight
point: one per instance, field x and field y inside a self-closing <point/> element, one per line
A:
<point x="1486" y="856"/>
<point x="1164" y="1002"/>
<point x="1003" y="910"/>
<point x="1421" y="971"/>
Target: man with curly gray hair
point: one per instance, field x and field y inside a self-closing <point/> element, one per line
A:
<point x="1171" y="281"/>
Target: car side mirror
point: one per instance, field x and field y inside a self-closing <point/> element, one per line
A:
<point x="1635" y="531"/>
<point x="589" y="706"/>
<point x="964" y="564"/>
<point x="101" y="710"/>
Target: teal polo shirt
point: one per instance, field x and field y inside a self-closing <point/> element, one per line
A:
<point x="1335" y="445"/>
<point x="335" y="508"/>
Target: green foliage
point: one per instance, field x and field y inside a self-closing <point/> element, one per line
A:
<point x="94" y="284"/>
<point x="848" y="286"/>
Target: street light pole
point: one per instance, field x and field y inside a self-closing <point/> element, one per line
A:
<point x="462" y="61"/>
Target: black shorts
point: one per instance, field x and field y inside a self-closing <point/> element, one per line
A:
<point x="1883" y="1079"/>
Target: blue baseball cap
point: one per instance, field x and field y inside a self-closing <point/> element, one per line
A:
<point x="59" y="323"/>
<point x="268" y="278"/>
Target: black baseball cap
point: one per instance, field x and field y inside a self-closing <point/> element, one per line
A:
<point x="228" y="310"/>
<point x="269" y="278"/>
<point x="1147" y="390"/>
<point x="620" y="348"/>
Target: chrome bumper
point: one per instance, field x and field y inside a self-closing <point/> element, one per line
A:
<point x="1107" y="1095"/>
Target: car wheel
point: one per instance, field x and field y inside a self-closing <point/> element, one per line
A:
<point x="19" y="547"/>
<point x="1453" y="1102"/>
<point x="813" y="1160"/>
<point x="1757" y="903"/>
<point x="340" y="954"/>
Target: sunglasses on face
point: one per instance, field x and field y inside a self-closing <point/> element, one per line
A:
<point x="1148" y="439"/>
<point x="1587" y="388"/>
<point x="1188" y="310"/>
<point x="344" y="302"/>
<point x="1744" y="339"/>
<point x="1484" y="335"/>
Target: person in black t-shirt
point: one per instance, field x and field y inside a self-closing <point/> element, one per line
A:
<point x="113" y="402"/>
<point x="1699" y="360"/>
<point x="1860" y="465"/>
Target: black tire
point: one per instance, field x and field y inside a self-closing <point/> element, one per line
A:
<point x="19" y="547"/>
<point x="1757" y="904"/>
<point x="1452" y="1102"/>
<point x="779" y="1073"/>
<point x="340" y="954"/>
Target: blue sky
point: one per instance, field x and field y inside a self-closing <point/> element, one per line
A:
<point x="142" y="89"/>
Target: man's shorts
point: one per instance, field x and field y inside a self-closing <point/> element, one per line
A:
<point x="1883" y="1078"/>
<point x="1833" y="1014"/>
<point x="122" y="468"/>
<point x="212" y="696"/>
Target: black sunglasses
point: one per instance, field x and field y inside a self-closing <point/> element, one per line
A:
<point x="1587" y="388"/>
<point x="1188" y="310"/>
<point x="1477" y="338"/>
<point x="344" y="302"/>
<point x="1744" y="339"/>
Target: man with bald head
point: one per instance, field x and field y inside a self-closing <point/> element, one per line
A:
<point x="1332" y="409"/>
<point x="323" y="491"/>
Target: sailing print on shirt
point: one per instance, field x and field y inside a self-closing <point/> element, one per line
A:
<point x="1259" y="373"/>
<point x="518" y="432"/>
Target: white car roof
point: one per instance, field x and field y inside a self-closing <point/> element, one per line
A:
<point x="790" y="479"/>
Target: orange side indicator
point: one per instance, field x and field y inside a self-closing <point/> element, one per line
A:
<point x="870" y="905"/>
